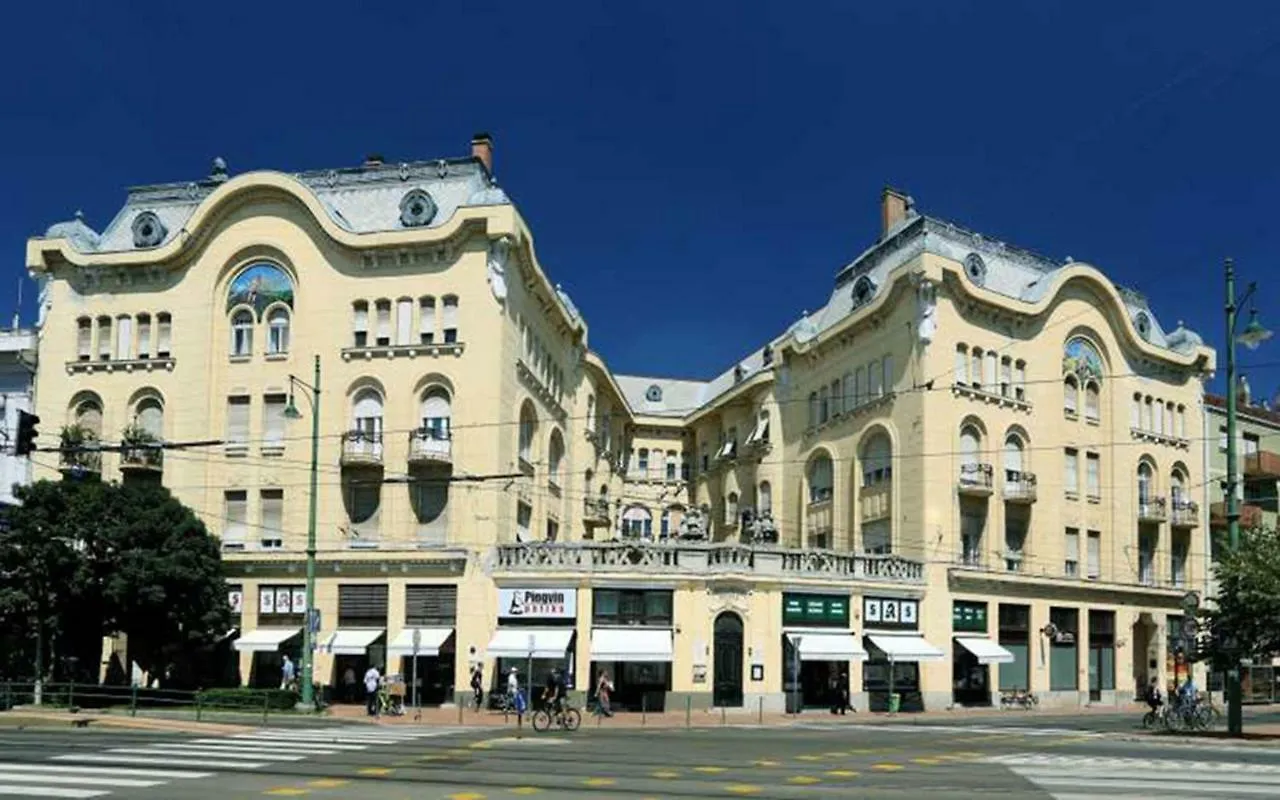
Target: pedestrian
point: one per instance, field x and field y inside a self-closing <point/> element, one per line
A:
<point x="349" y="684"/>
<point x="604" y="689"/>
<point x="513" y="687"/>
<point x="477" y="684"/>
<point x="371" y="681"/>
<point x="843" y="688"/>
<point x="286" y="673"/>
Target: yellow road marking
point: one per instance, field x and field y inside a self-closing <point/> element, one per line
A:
<point x="374" y="771"/>
<point x="459" y="751"/>
<point x="764" y="762"/>
<point x="525" y="790"/>
<point x="599" y="781"/>
<point x="803" y="780"/>
<point x="710" y="770"/>
<point x="842" y="773"/>
<point x="466" y="796"/>
<point x="328" y="783"/>
<point x="665" y="773"/>
<point x="742" y="788"/>
<point x="887" y="767"/>
<point x="968" y="754"/>
<point x="834" y="755"/>
<point x="929" y="762"/>
<point x="808" y="758"/>
<point x="288" y="791"/>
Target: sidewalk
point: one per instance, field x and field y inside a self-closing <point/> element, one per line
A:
<point x="144" y="723"/>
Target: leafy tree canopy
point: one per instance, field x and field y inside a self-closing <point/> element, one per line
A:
<point x="1243" y="621"/>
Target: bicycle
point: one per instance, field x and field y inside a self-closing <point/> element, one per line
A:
<point x="567" y="717"/>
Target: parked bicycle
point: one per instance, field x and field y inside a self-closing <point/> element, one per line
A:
<point x="1199" y="715"/>
<point x="566" y="717"/>
<point x="1019" y="698"/>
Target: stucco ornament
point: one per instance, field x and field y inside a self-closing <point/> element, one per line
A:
<point x="926" y="311"/>
<point x="499" y="250"/>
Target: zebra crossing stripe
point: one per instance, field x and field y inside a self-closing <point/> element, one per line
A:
<point x="8" y="767"/>
<point x="160" y="750"/>
<point x="158" y="761"/>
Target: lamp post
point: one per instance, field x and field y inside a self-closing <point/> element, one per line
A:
<point x="1252" y="336"/>
<point x="312" y="391"/>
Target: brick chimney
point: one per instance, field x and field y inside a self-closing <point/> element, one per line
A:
<point x="894" y="205"/>
<point x="482" y="149"/>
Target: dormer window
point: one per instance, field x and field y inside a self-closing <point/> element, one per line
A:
<point x="148" y="230"/>
<point x="653" y="394"/>
<point x="863" y="290"/>
<point x="417" y="209"/>
<point x="1143" y="323"/>
<point x="976" y="269"/>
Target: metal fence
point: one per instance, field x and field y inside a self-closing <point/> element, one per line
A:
<point x="132" y="699"/>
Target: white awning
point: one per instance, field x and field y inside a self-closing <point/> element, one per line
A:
<point x="906" y="648"/>
<point x="519" y="642"/>
<point x="826" y="646"/>
<point x="987" y="651"/>
<point x="265" y="640"/>
<point x="351" y="641"/>
<point x="430" y="640"/>
<point x="631" y="644"/>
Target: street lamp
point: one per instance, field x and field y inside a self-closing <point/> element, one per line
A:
<point x="312" y="392"/>
<point x="1252" y="336"/>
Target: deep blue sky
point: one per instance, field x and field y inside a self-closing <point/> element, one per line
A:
<point x="695" y="174"/>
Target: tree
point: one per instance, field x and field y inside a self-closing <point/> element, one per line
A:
<point x="1243" y="621"/>
<point x="83" y="558"/>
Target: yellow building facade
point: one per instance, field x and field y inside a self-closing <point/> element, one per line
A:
<point x="967" y="475"/>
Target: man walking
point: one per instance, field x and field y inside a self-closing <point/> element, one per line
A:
<point x="286" y="673"/>
<point x="371" y="682"/>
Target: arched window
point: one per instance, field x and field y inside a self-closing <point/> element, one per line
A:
<point x="1092" y="407"/>
<point x="731" y="509"/>
<point x="877" y="460"/>
<point x="555" y="457"/>
<point x="970" y="444"/>
<point x="591" y="413"/>
<point x="664" y="529"/>
<point x="877" y="493"/>
<point x="528" y="428"/>
<point x="1146" y="483"/>
<point x="88" y="418"/>
<point x="149" y="414"/>
<point x="437" y="413"/>
<point x="637" y="523"/>
<point x="1071" y="395"/>
<point x="366" y="412"/>
<point x="278" y="331"/>
<point x="1135" y="412"/>
<point x="1013" y="464"/>
<point x="1178" y="488"/>
<point x="242" y="333"/>
<point x="821" y="478"/>
<point x="765" y="498"/>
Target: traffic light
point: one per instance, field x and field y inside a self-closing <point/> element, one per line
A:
<point x="27" y="433"/>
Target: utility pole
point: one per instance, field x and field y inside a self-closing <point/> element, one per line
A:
<point x="308" y="635"/>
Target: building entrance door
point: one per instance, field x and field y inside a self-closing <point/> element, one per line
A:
<point x="727" y="689"/>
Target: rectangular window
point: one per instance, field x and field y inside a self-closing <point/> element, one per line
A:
<point x="642" y="461"/>
<point x="360" y="324"/>
<point x="685" y="472"/>
<point x="640" y="607"/>
<point x="1020" y="380"/>
<point x="1015" y="636"/>
<point x="238" y="420"/>
<point x="1094" y="565"/>
<point x="363" y="605"/>
<point x="887" y="367"/>
<point x="961" y="377"/>
<point x="553" y="530"/>
<point x="975" y="367"/>
<point x="1071" y="553"/>
<point x="124" y="338"/>
<point x="427" y="320"/>
<point x="1182" y="422"/>
<point x="524" y="518"/>
<point x="1135" y="413"/>
<point x="860" y="385"/>
<point x="104" y="338"/>
<point x="847" y="393"/>
<point x="1250" y="441"/>
<point x="449" y="319"/>
<point x="1093" y="475"/>
<point x="1222" y="439"/>
<point x="273" y="420"/>
<point x="989" y="371"/>
<point x="875" y="380"/>
<point x="272" y="513"/>
<point x="404" y="321"/>
<point x="1180" y="546"/>
<point x="429" y="606"/>
<point x="837" y="406"/>
<point x="671" y="465"/>
<point x="1064" y="670"/>
<point x="164" y="334"/>
<point x="144" y="336"/>
<point x="1102" y="651"/>
<point x="383" y="309"/>
<point x="84" y="339"/>
<point x="1071" y="471"/>
<point x="235" y="517"/>
<point x="1006" y="376"/>
<point x="824" y="405"/>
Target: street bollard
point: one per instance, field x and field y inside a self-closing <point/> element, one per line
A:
<point x="266" y="706"/>
<point x="760" y="711"/>
<point x="644" y="709"/>
<point x="133" y="700"/>
<point x="688" y="711"/>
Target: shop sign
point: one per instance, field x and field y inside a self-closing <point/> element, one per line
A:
<point x="538" y="603"/>
<point x="282" y="600"/>
<point x="890" y="612"/>
<point x="235" y="599"/>
<point x="815" y="609"/>
<point x="969" y="617"/>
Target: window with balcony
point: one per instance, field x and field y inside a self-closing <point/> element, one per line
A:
<point x="271" y="511"/>
<point x="242" y="333"/>
<point x="1092" y="404"/>
<point x="436" y="413"/>
<point x="449" y="318"/>
<point x="84" y="339"/>
<point x="278" y="331"/>
<point x="235" y="518"/>
<point x="360" y="324"/>
<point x="366" y="415"/>
<point x="1013" y="459"/>
<point x="1071" y="553"/>
<point x="430" y="502"/>
<point x="1071" y="395"/>
<point x="820" y="478"/>
<point x="382" y="312"/>
<point x="1146" y="484"/>
<point x="637" y="523"/>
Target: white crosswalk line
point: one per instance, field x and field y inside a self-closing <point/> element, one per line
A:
<point x="13" y="766"/>
<point x="247" y="755"/>
<point x="1070" y="777"/>
<point x="49" y="791"/>
<point x="253" y="747"/>
<point x="84" y="780"/>
<point x="156" y="760"/>
<point x="270" y="742"/>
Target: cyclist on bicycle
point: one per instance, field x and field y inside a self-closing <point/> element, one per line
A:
<point x="553" y="692"/>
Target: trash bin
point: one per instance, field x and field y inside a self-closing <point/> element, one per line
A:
<point x="895" y="702"/>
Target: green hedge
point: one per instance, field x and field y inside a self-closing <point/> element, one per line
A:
<point x="277" y="699"/>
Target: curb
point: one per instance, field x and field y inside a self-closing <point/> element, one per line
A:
<point x="131" y="723"/>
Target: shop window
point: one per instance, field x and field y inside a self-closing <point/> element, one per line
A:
<point x="1063" y="657"/>
<point x="362" y="605"/>
<point x="1102" y="652"/>
<point x="1015" y="636"/>
<point x="430" y="606"/>
<point x="632" y="607"/>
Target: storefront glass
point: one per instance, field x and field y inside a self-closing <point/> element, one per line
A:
<point x="642" y="678"/>
<point x="971" y="680"/>
<point x="1015" y="636"/>
<point x="818" y="678"/>
<point x="1064" y="669"/>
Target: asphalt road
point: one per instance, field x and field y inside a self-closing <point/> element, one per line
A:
<point x="853" y="760"/>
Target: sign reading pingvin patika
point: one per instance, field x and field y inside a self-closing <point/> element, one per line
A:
<point x="540" y="603"/>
